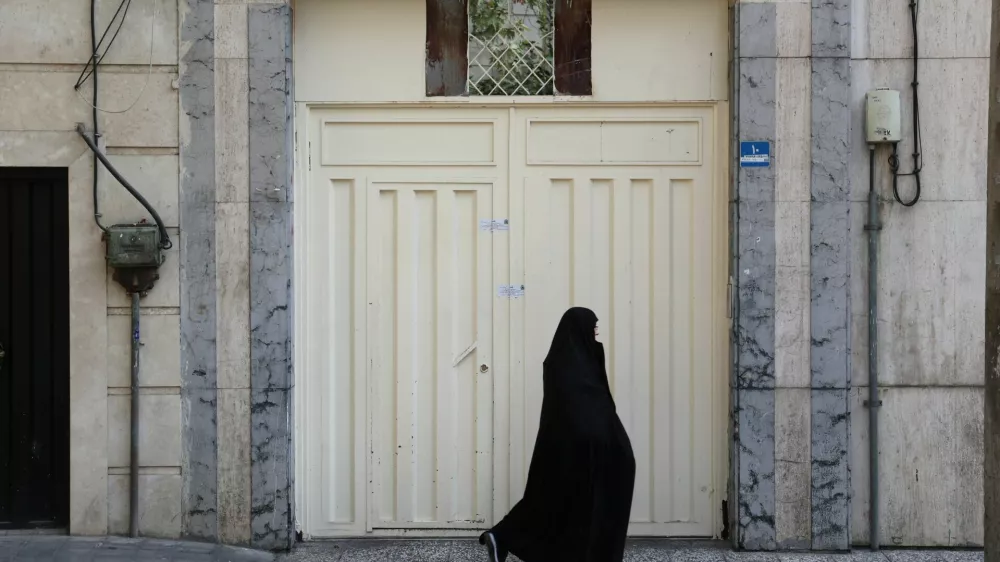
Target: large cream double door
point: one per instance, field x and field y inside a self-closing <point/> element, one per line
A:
<point x="437" y="249"/>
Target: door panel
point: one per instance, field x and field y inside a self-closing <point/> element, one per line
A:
<point x="430" y="331"/>
<point x="618" y="209"/>
<point x="34" y="335"/>
<point x="399" y="276"/>
<point x="624" y="224"/>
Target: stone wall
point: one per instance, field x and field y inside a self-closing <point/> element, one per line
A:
<point x="203" y="130"/>
<point x="801" y="461"/>
<point x="209" y="142"/>
<point x="789" y="471"/>
<point x="931" y="278"/>
<point x="43" y="47"/>
<point x="236" y="346"/>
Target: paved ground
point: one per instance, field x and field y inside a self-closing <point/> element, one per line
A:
<point x="42" y="548"/>
<point x="639" y="551"/>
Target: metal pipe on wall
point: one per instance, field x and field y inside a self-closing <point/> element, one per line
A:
<point x="991" y="401"/>
<point x="133" y="522"/>
<point x="873" y="227"/>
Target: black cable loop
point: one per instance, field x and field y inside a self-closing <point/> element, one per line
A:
<point x="918" y="161"/>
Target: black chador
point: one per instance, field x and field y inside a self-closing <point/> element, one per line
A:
<point x="578" y="496"/>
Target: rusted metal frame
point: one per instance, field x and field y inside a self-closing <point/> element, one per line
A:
<point x="573" y="47"/>
<point x="447" y="58"/>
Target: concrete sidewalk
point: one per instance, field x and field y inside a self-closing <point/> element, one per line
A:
<point x="45" y="548"/>
<point x="369" y="550"/>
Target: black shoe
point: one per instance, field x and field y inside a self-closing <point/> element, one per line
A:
<point x="495" y="553"/>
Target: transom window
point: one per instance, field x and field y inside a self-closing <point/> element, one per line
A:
<point x="511" y="45"/>
<point x="508" y="47"/>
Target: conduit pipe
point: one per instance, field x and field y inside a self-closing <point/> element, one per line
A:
<point x="133" y="470"/>
<point x="873" y="227"/>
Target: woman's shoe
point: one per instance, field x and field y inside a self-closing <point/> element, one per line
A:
<point x="492" y="547"/>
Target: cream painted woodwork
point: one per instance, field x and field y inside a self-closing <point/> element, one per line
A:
<point x="420" y="383"/>
<point x="398" y="317"/>
<point x="643" y="51"/>
<point x="614" y="209"/>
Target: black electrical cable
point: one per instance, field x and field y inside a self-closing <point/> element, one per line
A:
<point x="91" y="67"/>
<point x="918" y="163"/>
<point x="90" y="71"/>
<point x="165" y="242"/>
<point x="94" y="43"/>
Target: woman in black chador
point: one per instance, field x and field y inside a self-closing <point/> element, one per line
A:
<point x="578" y="497"/>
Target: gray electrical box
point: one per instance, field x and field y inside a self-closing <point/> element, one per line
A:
<point x="134" y="245"/>
<point x="883" y="120"/>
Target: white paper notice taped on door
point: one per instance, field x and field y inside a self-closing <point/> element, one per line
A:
<point x="510" y="291"/>
<point x="488" y="225"/>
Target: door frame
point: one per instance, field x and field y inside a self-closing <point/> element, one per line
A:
<point x="57" y="179"/>
<point x="303" y="116"/>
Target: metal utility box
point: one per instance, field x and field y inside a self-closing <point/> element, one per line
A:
<point x="134" y="245"/>
<point x="883" y="119"/>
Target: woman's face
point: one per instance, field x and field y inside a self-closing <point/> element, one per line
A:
<point x="597" y="331"/>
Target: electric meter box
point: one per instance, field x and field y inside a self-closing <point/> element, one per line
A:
<point x="134" y="245"/>
<point x="883" y="122"/>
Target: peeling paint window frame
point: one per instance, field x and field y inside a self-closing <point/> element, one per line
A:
<point x="574" y="47"/>
<point x="446" y="64"/>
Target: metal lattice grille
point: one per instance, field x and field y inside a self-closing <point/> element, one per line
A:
<point x="511" y="47"/>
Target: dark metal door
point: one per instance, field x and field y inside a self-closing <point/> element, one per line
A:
<point x="34" y="335"/>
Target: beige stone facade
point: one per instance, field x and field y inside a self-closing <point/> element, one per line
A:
<point x="204" y="128"/>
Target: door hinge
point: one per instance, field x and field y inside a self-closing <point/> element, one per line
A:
<point x="731" y="298"/>
<point x="724" y="535"/>
<point x="494" y="225"/>
<point x="310" y="156"/>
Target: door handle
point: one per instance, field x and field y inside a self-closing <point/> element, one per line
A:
<point x="2" y="355"/>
